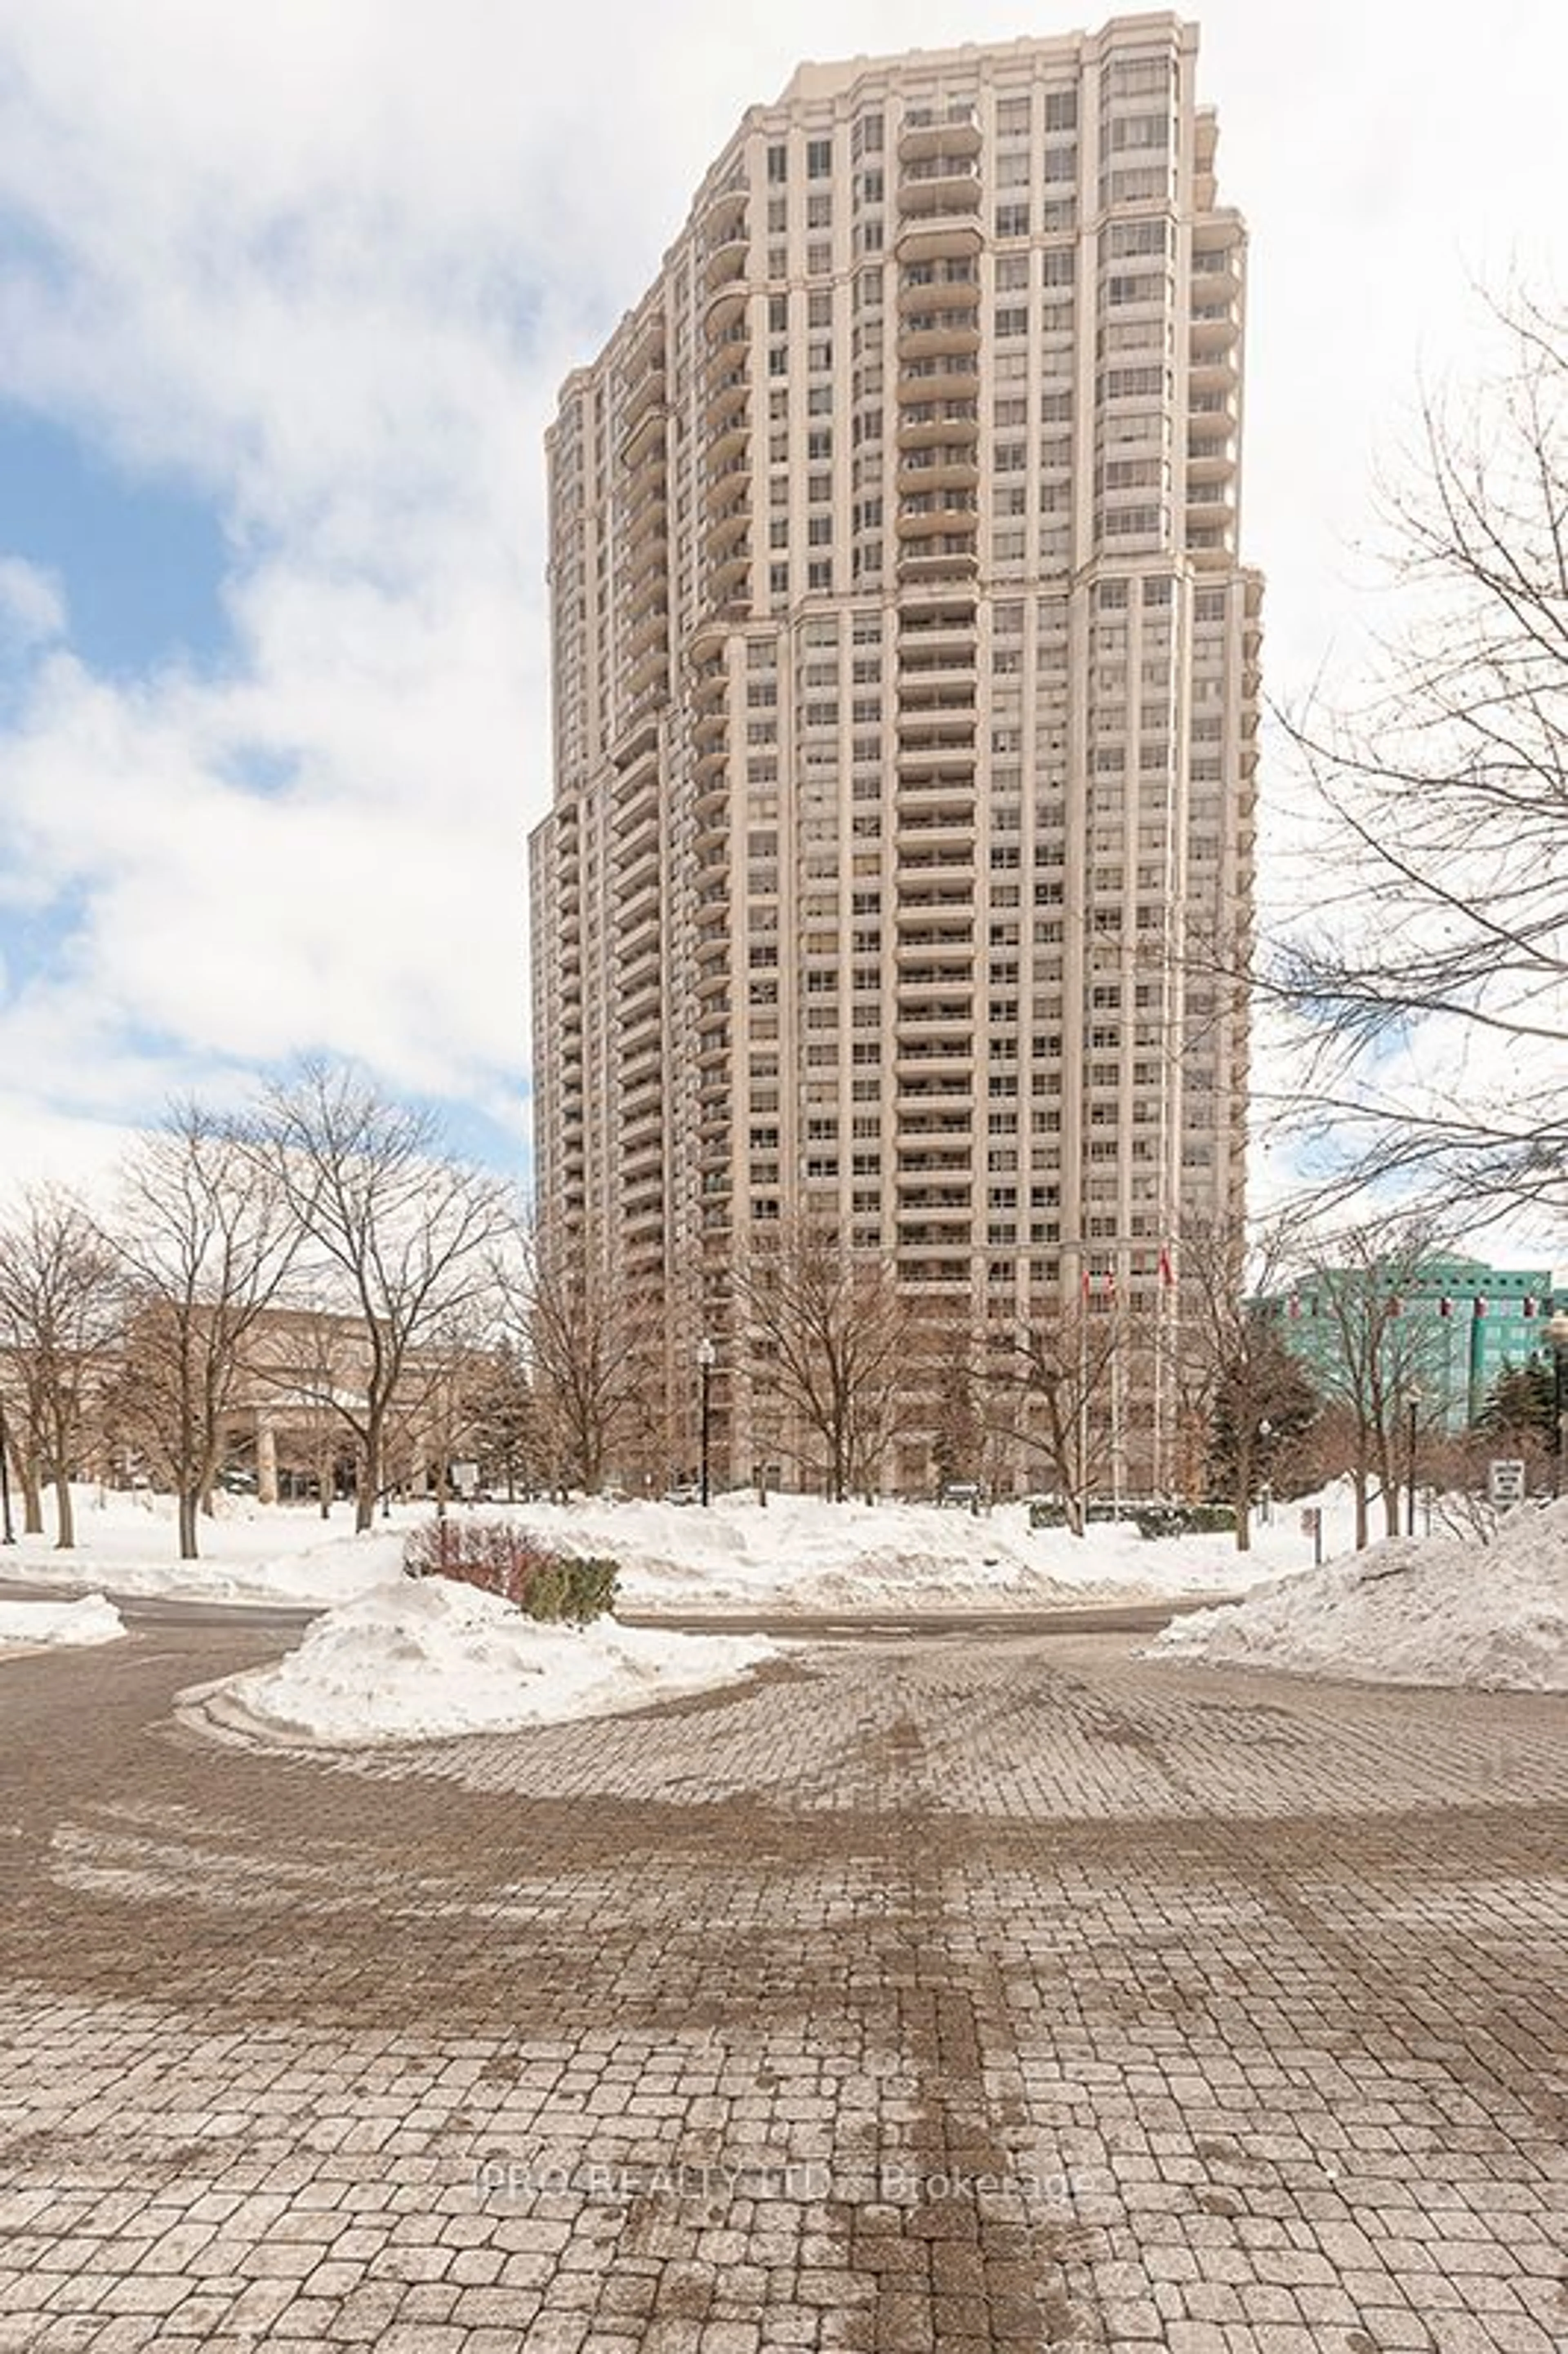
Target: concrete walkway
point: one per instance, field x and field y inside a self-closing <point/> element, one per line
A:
<point x="953" y="1994"/>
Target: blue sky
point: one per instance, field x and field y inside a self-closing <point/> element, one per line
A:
<point x="141" y="562"/>
<point x="285" y="298"/>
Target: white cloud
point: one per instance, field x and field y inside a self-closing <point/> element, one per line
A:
<point x="32" y="606"/>
<point x="328" y="266"/>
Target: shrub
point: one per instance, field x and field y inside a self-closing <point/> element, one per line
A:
<point x="1185" y="1519"/>
<point x="500" y="1557"/>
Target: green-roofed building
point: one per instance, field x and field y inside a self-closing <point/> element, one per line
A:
<point x="1447" y="1328"/>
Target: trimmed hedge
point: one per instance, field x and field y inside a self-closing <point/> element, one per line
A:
<point x="1149" y="1519"/>
<point x="500" y="1557"/>
<point x="1185" y="1519"/>
<point x="1049" y="1512"/>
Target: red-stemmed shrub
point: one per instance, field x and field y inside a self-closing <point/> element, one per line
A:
<point x="502" y="1557"/>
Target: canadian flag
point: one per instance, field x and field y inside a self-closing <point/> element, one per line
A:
<point x="1444" y="1308"/>
<point x="1167" y="1272"/>
<point x="1529" y="1308"/>
<point x="1479" y="1305"/>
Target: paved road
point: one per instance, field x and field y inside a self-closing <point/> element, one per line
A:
<point x="930" y="1996"/>
<point x="1101" y="1619"/>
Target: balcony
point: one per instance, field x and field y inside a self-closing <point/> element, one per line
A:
<point x="937" y="192"/>
<point x="724" y="347"/>
<point x="649" y="669"/>
<point x="938" y="510"/>
<point x="1213" y="369"/>
<point x="730" y="523"/>
<point x="939" y="237"/>
<point x="726" y="308"/>
<point x="722" y="483"/>
<point x="725" y="257"/>
<point x="937" y="750"/>
<point x="923" y="424"/>
<point x="928" y="131"/>
<point x="639" y="738"/>
<point x="936" y="285"/>
<point x="939" y="466"/>
<point x="931" y="985"/>
<point x="643" y="431"/>
<point x="1211" y="457"/>
<point x="648" y="630"/>
<point x="730" y="440"/>
<point x="939" y="376"/>
<point x="922" y="943"/>
<point x="926" y="334"/>
<point x="944" y="558"/>
<point x="935" y="616"/>
<point x="1216" y="268"/>
<point x="730" y="573"/>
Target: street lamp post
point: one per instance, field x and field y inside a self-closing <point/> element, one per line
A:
<point x="1266" y="1483"/>
<point x="707" y="1352"/>
<point x="5" y="1477"/>
<point x="1557" y="1333"/>
<point x="1412" y="1408"/>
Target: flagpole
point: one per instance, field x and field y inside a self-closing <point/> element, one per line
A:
<point x="1119" y="1469"/>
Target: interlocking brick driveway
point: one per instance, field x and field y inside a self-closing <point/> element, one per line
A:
<point x="692" y="2032"/>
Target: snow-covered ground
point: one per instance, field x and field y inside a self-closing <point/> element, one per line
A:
<point x="90" y="1620"/>
<point x="1412" y="1610"/>
<point x="421" y="1661"/>
<point x="796" y="1553"/>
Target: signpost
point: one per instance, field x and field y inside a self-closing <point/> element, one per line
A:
<point x="1505" y="1480"/>
<point x="1312" y="1526"/>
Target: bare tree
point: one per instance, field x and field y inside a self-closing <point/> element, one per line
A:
<point x="1238" y="1373"/>
<point x="202" y="1239"/>
<point x="305" y="1361"/>
<point x="1050" y="1375"/>
<point x="59" y="1310"/>
<point x="1374" y="1357"/>
<point x="1443" y="928"/>
<point x="958" y="1418"/>
<point x="403" y="1232"/>
<point x="590" y="1376"/>
<point x="504" y="1408"/>
<point x="839" y="1342"/>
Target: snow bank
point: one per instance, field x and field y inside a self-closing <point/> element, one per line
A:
<point x="1410" y="1610"/>
<point x="250" y="1553"/>
<point x="799" y="1553"/>
<point x="90" y="1620"/>
<point x="435" y="1657"/>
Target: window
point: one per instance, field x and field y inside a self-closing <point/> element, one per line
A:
<point x="1013" y="220"/>
<point x="818" y="158"/>
<point x="778" y="163"/>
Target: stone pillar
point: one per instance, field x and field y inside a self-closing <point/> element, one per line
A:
<point x="266" y="1462"/>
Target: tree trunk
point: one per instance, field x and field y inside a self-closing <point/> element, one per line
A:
<point x="64" y="1516"/>
<point x="190" y="1507"/>
<point x="369" y="1478"/>
<point x="1243" y="1499"/>
<point x="1359" y="1483"/>
<point x="32" y="1500"/>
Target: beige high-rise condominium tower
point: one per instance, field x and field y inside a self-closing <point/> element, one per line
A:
<point x="905" y="680"/>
